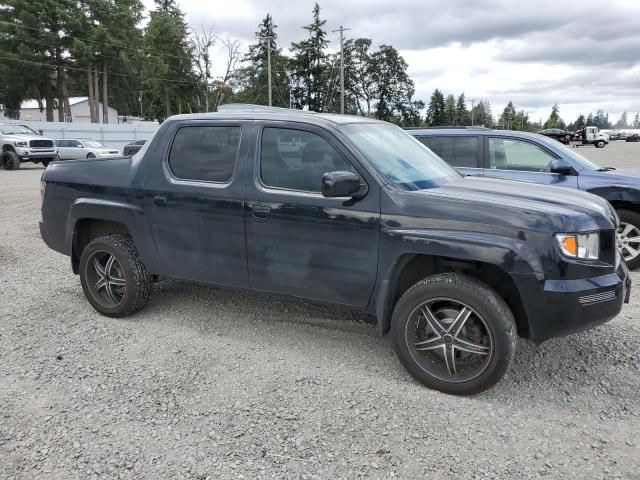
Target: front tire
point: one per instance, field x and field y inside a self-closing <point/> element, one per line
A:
<point x="628" y="237"/>
<point x="10" y="161"/>
<point x="454" y="334"/>
<point x="600" y="144"/>
<point x="91" y="155"/>
<point x="113" y="278"/>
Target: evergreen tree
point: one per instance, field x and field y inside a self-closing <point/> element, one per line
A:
<point x="450" y="110"/>
<point x="435" y="111"/>
<point x="462" y="114"/>
<point x="636" y="121"/>
<point x="622" y="121"/>
<point x="554" y="120"/>
<point x="507" y="118"/>
<point x="169" y="82"/>
<point x="589" y="120"/>
<point x="310" y="69"/>
<point x="253" y="78"/>
<point x="482" y="115"/>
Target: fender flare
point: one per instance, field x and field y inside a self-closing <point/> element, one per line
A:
<point x="512" y="255"/>
<point x="131" y="216"/>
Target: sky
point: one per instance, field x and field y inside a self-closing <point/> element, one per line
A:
<point x="583" y="55"/>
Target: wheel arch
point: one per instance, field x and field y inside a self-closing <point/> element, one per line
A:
<point x="89" y="219"/>
<point x="498" y="261"/>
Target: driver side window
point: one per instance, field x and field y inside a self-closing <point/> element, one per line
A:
<point x="296" y="159"/>
<point x="512" y="154"/>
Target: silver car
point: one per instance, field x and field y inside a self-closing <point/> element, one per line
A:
<point x="69" y="149"/>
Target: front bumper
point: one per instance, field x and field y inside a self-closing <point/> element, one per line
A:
<point x="569" y="306"/>
<point x="30" y="154"/>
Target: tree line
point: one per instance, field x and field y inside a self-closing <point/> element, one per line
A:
<point x="51" y="51"/>
<point x="97" y="48"/>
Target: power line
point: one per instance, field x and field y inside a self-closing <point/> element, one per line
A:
<point x="87" y="70"/>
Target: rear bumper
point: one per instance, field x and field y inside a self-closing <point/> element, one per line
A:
<point x="569" y="306"/>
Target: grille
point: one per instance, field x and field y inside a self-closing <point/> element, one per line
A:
<point x="598" y="297"/>
<point x="41" y="143"/>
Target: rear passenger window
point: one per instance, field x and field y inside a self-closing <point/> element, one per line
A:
<point x="296" y="160"/>
<point x="458" y="151"/>
<point x="205" y="153"/>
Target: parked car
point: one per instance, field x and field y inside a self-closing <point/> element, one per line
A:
<point x="632" y="138"/>
<point x="534" y="158"/>
<point x="362" y="215"/>
<point x="70" y="149"/>
<point x="557" y="134"/>
<point x="21" y="143"/>
<point x="132" y="148"/>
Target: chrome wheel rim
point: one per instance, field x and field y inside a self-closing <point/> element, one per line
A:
<point x="628" y="240"/>
<point x="449" y="340"/>
<point x="105" y="279"/>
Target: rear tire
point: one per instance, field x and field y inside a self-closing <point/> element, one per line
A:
<point x="480" y="347"/>
<point x="10" y="161"/>
<point x="113" y="278"/>
<point x="625" y="237"/>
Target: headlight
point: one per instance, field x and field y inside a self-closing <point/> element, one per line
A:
<point x="585" y="246"/>
<point x="20" y="144"/>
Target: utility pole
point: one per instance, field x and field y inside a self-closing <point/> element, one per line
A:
<point x="268" y="38"/>
<point x="473" y="101"/>
<point x="341" y="30"/>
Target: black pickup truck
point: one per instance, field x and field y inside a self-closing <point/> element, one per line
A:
<point x="344" y="210"/>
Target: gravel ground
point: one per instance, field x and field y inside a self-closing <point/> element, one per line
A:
<point x="215" y="383"/>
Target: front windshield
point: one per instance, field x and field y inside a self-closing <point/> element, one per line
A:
<point x="92" y="144"/>
<point x="16" y="130"/>
<point x="399" y="156"/>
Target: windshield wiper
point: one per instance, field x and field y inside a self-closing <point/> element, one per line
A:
<point x="605" y="169"/>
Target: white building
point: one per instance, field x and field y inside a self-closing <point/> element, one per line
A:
<point x="80" y="113"/>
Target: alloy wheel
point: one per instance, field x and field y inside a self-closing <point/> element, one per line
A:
<point x="449" y="340"/>
<point x="105" y="278"/>
<point x="628" y="241"/>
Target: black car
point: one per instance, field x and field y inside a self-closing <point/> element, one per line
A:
<point x="133" y="148"/>
<point x="345" y="210"/>
<point x="632" y="138"/>
<point x="557" y="134"/>
<point x="535" y="158"/>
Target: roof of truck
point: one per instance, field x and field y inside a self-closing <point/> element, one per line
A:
<point x="259" y="112"/>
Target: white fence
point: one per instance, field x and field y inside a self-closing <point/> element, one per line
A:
<point x="111" y="135"/>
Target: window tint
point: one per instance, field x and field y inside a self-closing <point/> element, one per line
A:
<point x="459" y="151"/>
<point x="296" y="160"/>
<point x="511" y="154"/>
<point x="205" y="153"/>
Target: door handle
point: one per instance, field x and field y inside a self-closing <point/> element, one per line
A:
<point x="160" y="200"/>
<point x="261" y="211"/>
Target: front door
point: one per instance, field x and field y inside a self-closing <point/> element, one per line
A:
<point x="299" y="242"/>
<point x="518" y="159"/>
<point x="195" y="204"/>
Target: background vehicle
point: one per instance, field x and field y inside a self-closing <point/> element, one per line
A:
<point x="558" y="134"/>
<point x="22" y="144"/>
<point x="536" y="158"/>
<point x="591" y="136"/>
<point x="132" y="148"/>
<point x="361" y="214"/>
<point x="633" y="138"/>
<point x="70" y="149"/>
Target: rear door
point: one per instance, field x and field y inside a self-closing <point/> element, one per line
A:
<point x="521" y="159"/>
<point x="464" y="152"/>
<point x="194" y="202"/>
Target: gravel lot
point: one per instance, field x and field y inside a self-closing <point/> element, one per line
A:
<point x="215" y="383"/>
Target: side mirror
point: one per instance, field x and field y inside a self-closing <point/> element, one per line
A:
<point x="561" y="167"/>
<point x="340" y="184"/>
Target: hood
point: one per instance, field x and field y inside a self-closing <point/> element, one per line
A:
<point x="22" y="138"/>
<point x="510" y="205"/>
